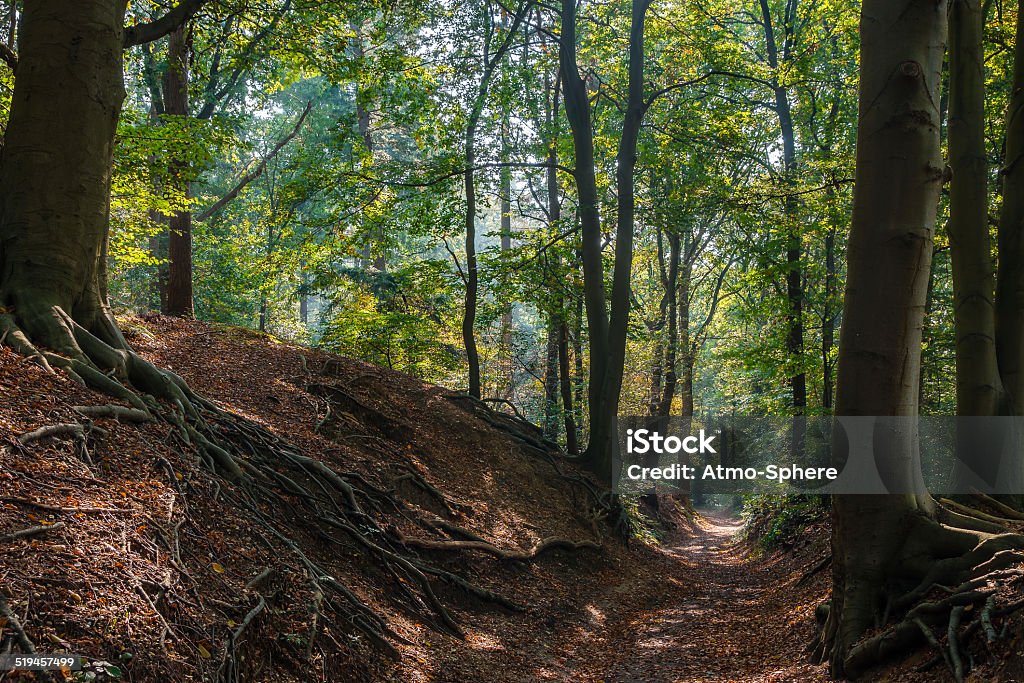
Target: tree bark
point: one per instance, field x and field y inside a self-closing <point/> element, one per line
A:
<point x="472" y="275"/>
<point x="577" y="111"/>
<point x="505" y="246"/>
<point x="677" y="292"/>
<point x="565" y="386"/>
<point x="794" y="247"/>
<point x="375" y="251"/>
<point x="179" y="298"/>
<point x="828" y="322"/>
<point x="898" y="179"/>
<point x="491" y="63"/>
<point x="977" y="374"/>
<point x="56" y="166"/>
<point x="1010" y="275"/>
<point x="607" y="332"/>
<point x="551" y="382"/>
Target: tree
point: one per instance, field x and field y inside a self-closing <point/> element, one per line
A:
<point x="179" y="299"/>
<point x="491" y="61"/>
<point x="978" y="389"/>
<point x="1010" y="274"/>
<point x="898" y="179"/>
<point x="55" y="187"/>
<point x="607" y="327"/>
<point x="778" y="60"/>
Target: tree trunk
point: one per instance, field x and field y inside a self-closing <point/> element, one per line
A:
<point x="472" y="276"/>
<point x="179" y="299"/>
<point x="577" y="111"/>
<point x="603" y="449"/>
<point x="374" y="251"/>
<point x="491" y="63"/>
<point x="607" y="333"/>
<point x="683" y="360"/>
<point x="828" y="321"/>
<point x="1010" y="277"/>
<point x="794" y="247"/>
<point x="898" y="179"/>
<point x="505" y="245"/>
<point x="551" y="384"/>
<point x="977" y="374"/>
<point x="565" y="385"/>
<point x="677" y="291"/>
<point x="56" y="166"/>
<point x="579" y="377"/>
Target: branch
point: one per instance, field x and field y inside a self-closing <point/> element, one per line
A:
<point x="212" y="94"/>
<point x="258" y="171"/>
<point x="9" y="56"/>
<point x="31" y="532"/>
<point x="699" y="79"/>
<point x="158" y="28"/>
<point x="437" y="180"/>
<point x="544" y="546"/>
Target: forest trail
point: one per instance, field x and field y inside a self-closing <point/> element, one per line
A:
<point x="710" y="613"/>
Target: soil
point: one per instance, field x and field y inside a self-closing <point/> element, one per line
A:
<point x="146" y="566"/>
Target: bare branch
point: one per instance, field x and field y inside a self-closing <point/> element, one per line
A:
<point x="9" y="56"/>
<point x="258" y="171"/>
<point x="158" y="28"/>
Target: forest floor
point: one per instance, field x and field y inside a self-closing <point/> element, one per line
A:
<point x="699" y="607"/>
<point x="138" y="558"/>
<point x="714" y="612"/>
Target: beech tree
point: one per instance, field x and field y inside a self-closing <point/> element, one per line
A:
<point x="900" y="172"/>
<point x="55" y="187"/>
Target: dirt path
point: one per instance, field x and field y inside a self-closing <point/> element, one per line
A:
<point x="703" y="611"/>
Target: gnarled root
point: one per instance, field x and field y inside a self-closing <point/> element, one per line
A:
<point x="265" y="473"/>
<point x="942" y="580"/>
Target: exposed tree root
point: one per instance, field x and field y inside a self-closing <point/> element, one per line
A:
<point x="999" y="523"/>
<point x="119" y="413"/>
<point x="266" y="473"/>
<point x="1003" y="509"/>
<point x="955" y="575"/>
<point x="20" y="637"/>
<point x="491" y="549"/>
<point x="55" y="431"/>
<point x="605" y="504"/>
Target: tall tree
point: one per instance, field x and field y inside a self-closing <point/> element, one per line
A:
<point x="55" y="185"/>
<point x="607" y="327"/>
<point x="179" y="299"/>
<point x="779" y="58"/>
<point x="1010" y="275"/>
<point x="898" y="179"/>
<point x="491" y="59"/>
<point x="899" y="176"/>
<point x="978" y="390"/>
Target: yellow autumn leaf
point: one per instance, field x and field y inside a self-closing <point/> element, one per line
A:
<point x="232" y="623"/>
<point x="218" y="568"/>
<point x="204" y="653"/>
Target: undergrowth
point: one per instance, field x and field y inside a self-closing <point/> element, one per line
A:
<point x="775" y="521"/>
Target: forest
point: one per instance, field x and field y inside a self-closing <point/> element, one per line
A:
<point x="322" y="324"/>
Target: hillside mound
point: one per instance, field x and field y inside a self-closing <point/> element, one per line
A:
<point x="131" y="552"/>
<point x="466" y="549"/>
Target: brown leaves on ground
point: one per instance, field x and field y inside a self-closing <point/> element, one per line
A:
<point x="150" y="569"/>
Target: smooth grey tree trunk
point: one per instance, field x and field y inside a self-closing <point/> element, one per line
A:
<point x="898" y="180"/>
